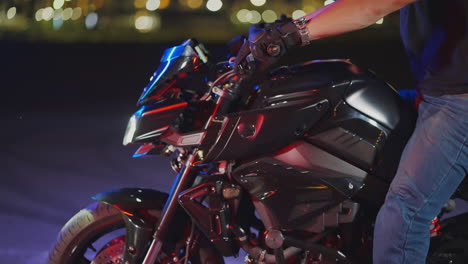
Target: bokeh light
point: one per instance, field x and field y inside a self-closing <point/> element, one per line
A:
<point x="164" y="4"/>
<point x="145" y="23"/>
<point x="58" y="4"/>
<point x="67" y="13"/>
<point x="255" y="17"/>
<point x="214" y="5"/>
<point x="194" y="3"/>
<point x="47" y="13"/>
<point x="298" y="14"/>
<point x="38" y="14"/>
<point x="107" y="17"/>
<point x="244" y="15"/>
<point x="76" y="13"/>
<point x="57" y="22"/>
<point x="309" y="7"/>
<point x="269" y="16"/>
<point x="152" y="5"/>
<point x="139" y="3"/>
<point x="258" y="2"/>
<point x="58" y="14"/>
<point x="91" y="20"/>
<point x="11" y="13"/>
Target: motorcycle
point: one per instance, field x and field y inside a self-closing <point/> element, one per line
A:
<point x="291" y="166"/>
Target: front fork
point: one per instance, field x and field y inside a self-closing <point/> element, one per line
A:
<point x="183" y="181"/>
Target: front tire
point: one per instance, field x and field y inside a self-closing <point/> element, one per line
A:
<point x="75" y="242"/>
<point x="82" y="230"/>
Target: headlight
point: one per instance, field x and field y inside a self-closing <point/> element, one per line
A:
<point x="130" y="132"/>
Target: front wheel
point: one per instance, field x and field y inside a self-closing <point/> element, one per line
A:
<point x="96" y="235"/>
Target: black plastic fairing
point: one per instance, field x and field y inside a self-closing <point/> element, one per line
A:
<point x="261" y="131"/>
<point x="154" y="119"/>
<point x="132" y="199"/>
<point x="375" y="99"/>
<point x="285" y="197"/>
<point x="298" y="184"/>
<point x="350" y="135"/>
<point x="149" y="149"/>
<point x="326" y="79"/>
<point x="343" y="176"/>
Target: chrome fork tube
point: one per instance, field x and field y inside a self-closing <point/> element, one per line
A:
<point x="153" y="252"/>
<point x="183" y="181"/>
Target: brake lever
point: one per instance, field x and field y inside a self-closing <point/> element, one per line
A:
<point x="244" y="55"/>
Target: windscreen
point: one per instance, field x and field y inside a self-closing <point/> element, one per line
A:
<point x="175" y="62"/>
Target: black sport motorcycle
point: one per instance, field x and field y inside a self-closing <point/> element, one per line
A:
<point x="291" y="165"/>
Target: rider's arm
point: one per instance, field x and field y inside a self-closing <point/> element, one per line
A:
<point x="348" y="15"/>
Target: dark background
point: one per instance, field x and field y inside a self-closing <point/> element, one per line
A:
<point x="64" y="109"/>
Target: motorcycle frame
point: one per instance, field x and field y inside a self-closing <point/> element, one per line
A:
<point x="184" y="179"/>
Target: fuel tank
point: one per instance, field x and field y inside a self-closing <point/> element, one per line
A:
<point x="332" y="104"/>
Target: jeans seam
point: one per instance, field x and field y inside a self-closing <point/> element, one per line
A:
<point x="429" y="198"/>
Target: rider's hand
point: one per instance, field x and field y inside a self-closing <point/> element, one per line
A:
<point x="272" y="40"/>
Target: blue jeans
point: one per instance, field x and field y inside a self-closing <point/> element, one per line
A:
<point x="433" y="164"/>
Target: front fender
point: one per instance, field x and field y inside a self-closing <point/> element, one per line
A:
<point x="139" y="233"/>
<point x="130" y="200"/>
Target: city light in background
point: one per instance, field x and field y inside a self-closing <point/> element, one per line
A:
<point x="11" y="12"/>
<point x="79" y="19"/>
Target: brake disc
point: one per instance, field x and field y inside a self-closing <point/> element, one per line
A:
<point x="112" y="253"/>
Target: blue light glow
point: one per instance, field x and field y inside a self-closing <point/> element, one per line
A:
<point x="138" y="155"/>
<point x="91" y="20"/>
<point x="140" y="112"/>
<point x="174" y="186"/>
<point x="57" y="23"/>
<point x="153" y="82"/>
